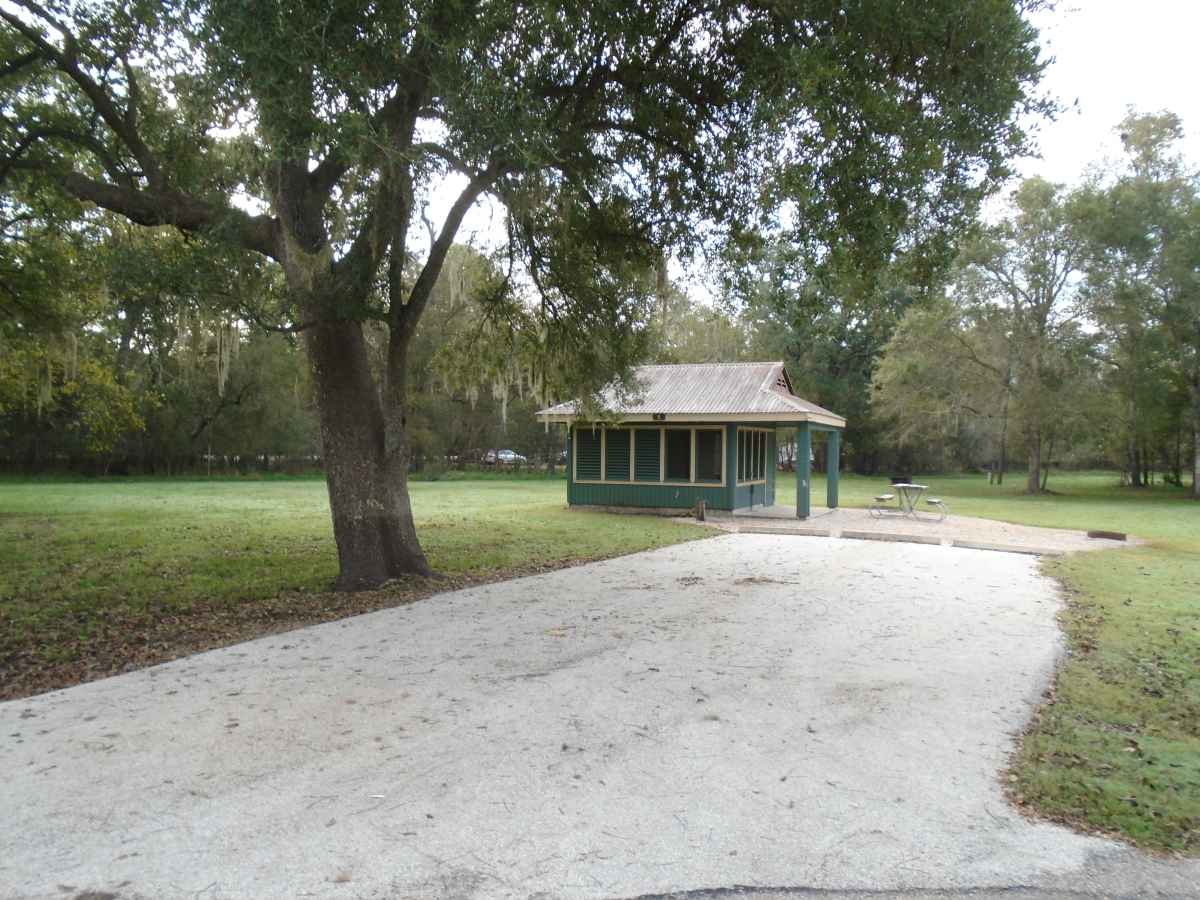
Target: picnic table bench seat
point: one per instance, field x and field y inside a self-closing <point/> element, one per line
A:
<point x="880" y="507"/>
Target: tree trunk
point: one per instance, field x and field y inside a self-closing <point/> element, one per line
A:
<point x="1196" y="441"/>
<point x="1134" y="463"/>
<point x="1003" y="442"/>
<point x="1049" y="462"/>
<point x="368" y="485"/>
<point x="1033" y="484"/>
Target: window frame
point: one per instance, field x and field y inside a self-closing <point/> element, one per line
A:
<point x="633" y="428"/>
<point x="696" y="456"/>
<point x="662" y="473"/>
<point x="757" y="444"/>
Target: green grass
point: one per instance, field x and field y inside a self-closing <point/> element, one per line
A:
<point x="1117" y="746"/>
<point x="99" y="576"/>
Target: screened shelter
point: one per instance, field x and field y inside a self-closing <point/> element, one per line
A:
<point x="695" y="432"/>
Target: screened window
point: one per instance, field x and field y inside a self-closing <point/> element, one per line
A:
<point x="647" y="450"/>
<point x="616" y="455"/>
<point x="587" y="454"/>
<point x="679" y="455"/>
<point x="708" y="456"/>
<point x="752" y="455"/>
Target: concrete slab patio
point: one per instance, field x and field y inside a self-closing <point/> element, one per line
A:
<point x="955" y="530"/>
<point x="751" y="710"/>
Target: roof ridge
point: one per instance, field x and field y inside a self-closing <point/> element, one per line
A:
<point x="768" y="382"/>
<point x="700" y="389"/>
<point x="797" y="402"/>
<point x="682" y="365"/>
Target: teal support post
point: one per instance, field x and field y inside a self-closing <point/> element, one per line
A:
<point x="833" y="456"/>
<point x="570" y="464"/>
<point x="803" y="471"/>
<point x="731" y="458"/>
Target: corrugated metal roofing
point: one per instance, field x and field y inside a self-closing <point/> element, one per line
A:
<point x="718" y="389"/>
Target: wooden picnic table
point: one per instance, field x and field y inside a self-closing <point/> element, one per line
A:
<point x="906" y="496"/>
<point x="909" y="495"/>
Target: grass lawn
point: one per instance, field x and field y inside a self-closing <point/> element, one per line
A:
<point x="1117" y="747"/>
<point x="98" y="577"/>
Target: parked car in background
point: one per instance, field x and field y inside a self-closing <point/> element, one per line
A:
<point x="503" y="458"/>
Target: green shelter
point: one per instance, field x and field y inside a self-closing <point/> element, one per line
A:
<point x="695" y="432"/>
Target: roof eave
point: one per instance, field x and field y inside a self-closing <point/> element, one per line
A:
<point x="692" y="418"/>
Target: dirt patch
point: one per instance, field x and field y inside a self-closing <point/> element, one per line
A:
<point x="758" y="579"/>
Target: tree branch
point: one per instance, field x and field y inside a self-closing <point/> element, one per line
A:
<point x="404" y="319"/>
<point x="453" y="160"/>
<point x="185" y="213"/>
<point x="88" y="142"/>
<point x="13" y="66"/>
<point x="208" y="419"/>
<point x="67" y="61"/>
<point x="328" y="172"/>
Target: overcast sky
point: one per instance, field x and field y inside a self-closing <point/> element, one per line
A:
<point x="1110" y="55"/>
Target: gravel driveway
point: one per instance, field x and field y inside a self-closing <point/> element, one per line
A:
<point x="779" y="712"/>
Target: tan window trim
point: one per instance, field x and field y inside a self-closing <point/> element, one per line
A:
<point x="662" y="458"/>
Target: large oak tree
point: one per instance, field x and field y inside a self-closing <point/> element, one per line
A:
<point x="610" y="133"/>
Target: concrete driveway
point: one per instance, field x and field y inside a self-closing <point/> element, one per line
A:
<point x="784" y="713"/>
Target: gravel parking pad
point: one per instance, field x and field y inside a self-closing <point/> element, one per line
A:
<point x="757" y="710"/>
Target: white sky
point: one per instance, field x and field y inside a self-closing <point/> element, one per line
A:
<point x="1108" y="55"/>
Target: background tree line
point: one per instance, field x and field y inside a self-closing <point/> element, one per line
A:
<point x="1064" y="334"/>
<point x="1068" y="333"/>
<point x="112" y="362"/>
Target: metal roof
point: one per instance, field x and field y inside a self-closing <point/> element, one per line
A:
<point x="760" y="391"/>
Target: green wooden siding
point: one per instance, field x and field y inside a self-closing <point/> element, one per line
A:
<point x="587" y="465"/>
<point x="646" y="450"/>
<point x="616" y="455"/>
<point x="656" y="496"/>
<point x="645" y="462"/>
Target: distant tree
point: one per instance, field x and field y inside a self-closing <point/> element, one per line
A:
<point x="1009" y="347"/>
<point x="701" y="332"/>
<point x="60" y="390"/>
<point x="120" y="345"/>
<point x="949" y="384"/>
<point x="308" y="134"/>
<point x="1142" y="225"/>
<point x="1133" y="347"/>
<point x="944" y="385"/>
<point x="1023" y="272"/>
